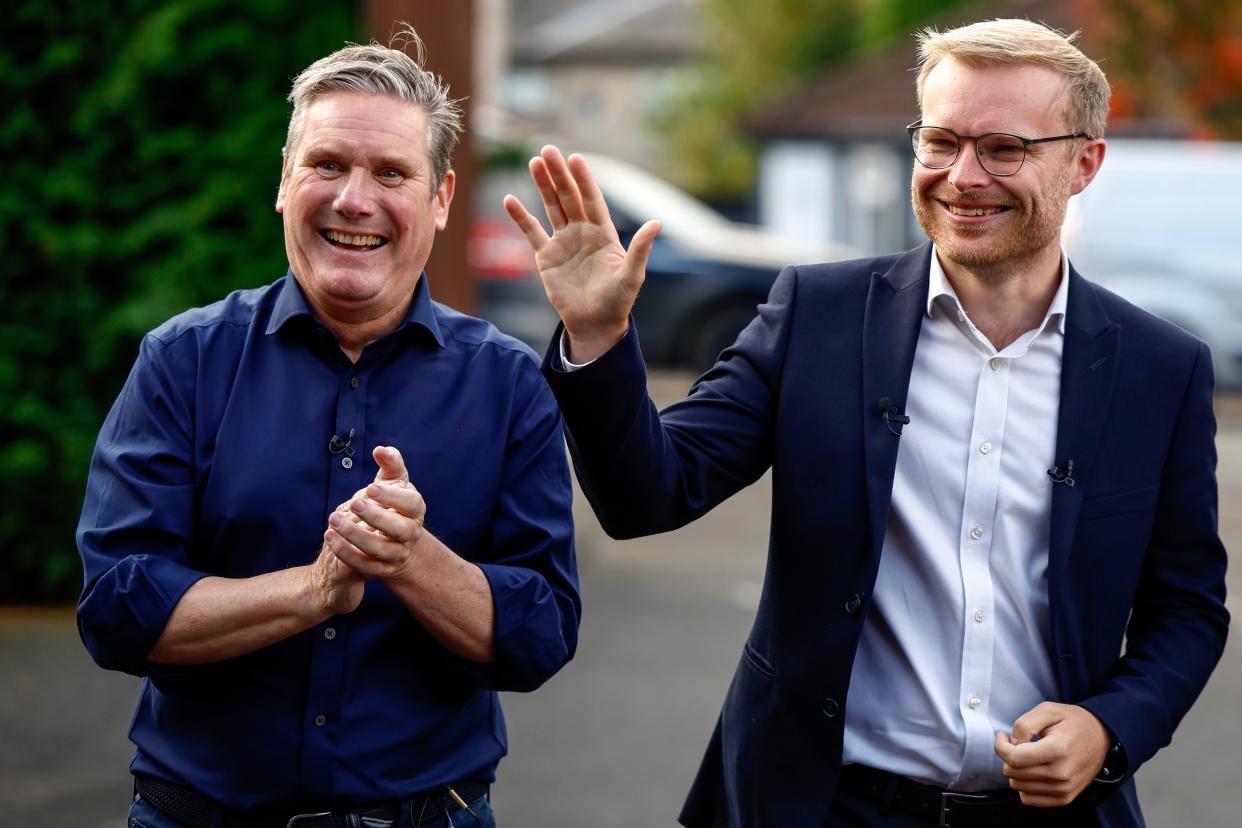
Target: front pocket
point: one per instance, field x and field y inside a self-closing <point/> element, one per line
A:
<point x="1121" y="503"/>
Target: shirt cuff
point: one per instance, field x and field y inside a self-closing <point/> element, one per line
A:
<point x="568" y="366"/>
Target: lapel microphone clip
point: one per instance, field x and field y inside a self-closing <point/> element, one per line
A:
<point x="1063" y="475"/>
<point x="890" y="414"/>
<point x="338" y="446"/>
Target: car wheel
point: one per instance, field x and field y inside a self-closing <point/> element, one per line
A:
<point x="717" y="330"/>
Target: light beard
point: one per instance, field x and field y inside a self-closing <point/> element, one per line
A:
<point x="1009" y="253"/>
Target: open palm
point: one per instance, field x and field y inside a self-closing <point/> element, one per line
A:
<point x="590" y="279"/>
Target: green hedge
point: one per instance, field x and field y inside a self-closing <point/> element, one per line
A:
<point x="141" y="144"/>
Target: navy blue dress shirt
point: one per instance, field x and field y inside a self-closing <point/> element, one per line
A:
<point x="215" y="460"/>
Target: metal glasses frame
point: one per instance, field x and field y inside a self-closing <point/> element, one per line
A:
<point x="913" y="128"/>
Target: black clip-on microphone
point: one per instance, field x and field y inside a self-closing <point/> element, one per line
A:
<point x="890" y="414"/>
<point x="1063" y="475"/>
<point x="338" y="446"/>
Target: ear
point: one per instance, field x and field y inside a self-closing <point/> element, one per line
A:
<point x="1086" y="165"/>
<point x="443" y="198"/>
<point x="280" y="191"/>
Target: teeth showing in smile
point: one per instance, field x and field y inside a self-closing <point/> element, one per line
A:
<point x="973" y="211"/>
<point x="352" y="239"/>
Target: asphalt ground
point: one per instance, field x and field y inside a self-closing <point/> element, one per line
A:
<point x="615" y="738"/>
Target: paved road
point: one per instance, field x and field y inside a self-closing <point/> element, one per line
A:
<point x="615" y="738"/>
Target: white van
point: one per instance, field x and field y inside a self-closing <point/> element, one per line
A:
<point x="1161" y="225"/>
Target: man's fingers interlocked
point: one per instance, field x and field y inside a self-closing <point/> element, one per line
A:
<point x="374" y="554"/>
<point x="398" y="512"/>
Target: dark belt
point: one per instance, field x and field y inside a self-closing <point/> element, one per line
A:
<point x="952" y="809"/>
<point x="194" y="809"/>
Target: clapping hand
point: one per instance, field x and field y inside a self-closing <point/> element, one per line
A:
<point x="376" y="532"/>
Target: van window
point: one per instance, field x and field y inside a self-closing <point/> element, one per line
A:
<point x="1155" y="216"/>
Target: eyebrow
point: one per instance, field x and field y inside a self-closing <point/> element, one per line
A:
<point x="399" y="161"/>
<point x="402" y="162"/>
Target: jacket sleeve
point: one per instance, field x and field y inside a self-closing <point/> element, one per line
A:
<point x="1178" y="625"/>
<point x="137" y="520"/>
<point x="645" y="471"/>
<point x="531" y="567"/>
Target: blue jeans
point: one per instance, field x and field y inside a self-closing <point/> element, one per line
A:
<point x="143" y="815"/>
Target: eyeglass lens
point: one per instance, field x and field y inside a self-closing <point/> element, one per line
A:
<point x="937" y="148"/>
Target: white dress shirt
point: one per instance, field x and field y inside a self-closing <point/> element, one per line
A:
<point x="957" y="642"/>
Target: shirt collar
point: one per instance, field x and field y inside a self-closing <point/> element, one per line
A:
<point x="938" y="285"/>
<point x="292" y="304"/>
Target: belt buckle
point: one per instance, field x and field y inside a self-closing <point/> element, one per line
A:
<point x="948" y="797"/>
<point x="296" y="818"/>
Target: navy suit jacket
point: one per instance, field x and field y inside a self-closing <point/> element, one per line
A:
<point x="1134" y="552"/>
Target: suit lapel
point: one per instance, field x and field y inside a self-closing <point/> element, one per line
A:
<point x="1088" y="372"/>
<point x="896" y="303"/>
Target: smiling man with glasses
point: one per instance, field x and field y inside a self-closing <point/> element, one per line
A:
<point x="995" y="583"/>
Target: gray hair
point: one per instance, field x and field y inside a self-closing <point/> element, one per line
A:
<point x="382" y="70"/>
<point x="1016" y="41"/>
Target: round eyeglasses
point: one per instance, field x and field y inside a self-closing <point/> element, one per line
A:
<point x="1000" y="153"/>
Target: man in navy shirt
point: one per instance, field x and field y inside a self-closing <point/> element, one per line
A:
<point x="328" y="519"/>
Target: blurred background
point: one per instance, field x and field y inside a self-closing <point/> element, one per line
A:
<point x="143" y="145"/>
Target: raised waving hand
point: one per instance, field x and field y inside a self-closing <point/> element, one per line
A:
<point x="590" y="279"/>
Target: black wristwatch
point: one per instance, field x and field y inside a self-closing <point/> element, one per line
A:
<point x="1115" y="765"/>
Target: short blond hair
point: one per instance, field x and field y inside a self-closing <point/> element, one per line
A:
<point x="1016" y="41"/>
<point x="382" y="70"/>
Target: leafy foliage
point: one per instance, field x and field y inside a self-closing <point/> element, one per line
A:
<point x="143" y="143"/>
<point x="752" y="54"/>
<point x="1194" y="76"/>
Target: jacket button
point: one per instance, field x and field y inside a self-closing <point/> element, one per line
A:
<point x="831" y="708"/>
<point x="853" y="604"/>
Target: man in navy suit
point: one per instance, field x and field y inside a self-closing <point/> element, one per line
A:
<point x="995" y="583"/>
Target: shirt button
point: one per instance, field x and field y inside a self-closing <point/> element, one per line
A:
<point x="974" y="702"/>
<point x="853" y="604"/>
<point x="831" y="708"/>
<point x="985" y="447"/>
<point x="978" y="615"/>
<point x="354" y="382"/>
<point x="347" y="463"/>
<point x="976" y="532"/>
<point x="329" y="633"/>
<point x="321" y="720"/>
<point x="995" y="363"/>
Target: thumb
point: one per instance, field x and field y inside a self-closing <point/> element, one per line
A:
<point x="1003" y="745"/>
<point x="640" y="248"/>
<point x="391" y="465"/>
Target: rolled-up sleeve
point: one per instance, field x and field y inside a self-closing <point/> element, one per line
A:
<point x="532" y="569"/>
<point x="138" y="515"/>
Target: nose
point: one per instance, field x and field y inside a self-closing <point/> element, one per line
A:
<point x="967" y="173"/>
<point x="355" y="197"/>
